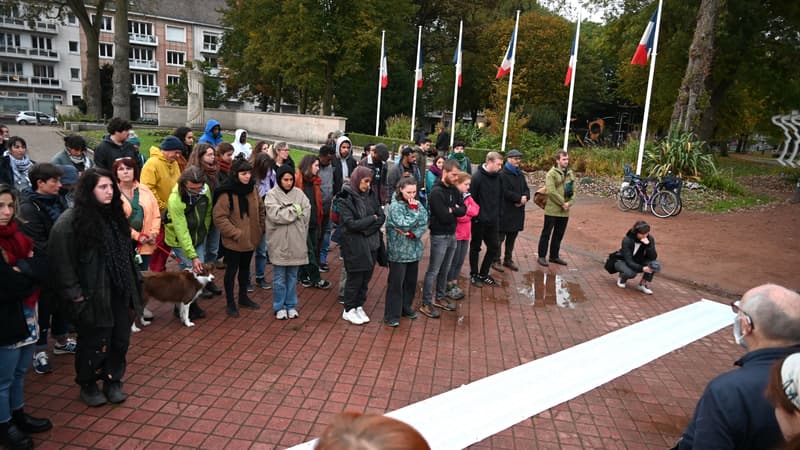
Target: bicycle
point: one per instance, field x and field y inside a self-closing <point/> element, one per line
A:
<point x="674" y="184"/>
<point x="633" y="195"/>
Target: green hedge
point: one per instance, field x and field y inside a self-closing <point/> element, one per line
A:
<point x="360" y="140"/>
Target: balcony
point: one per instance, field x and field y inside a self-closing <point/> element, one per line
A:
<point x="46" y="26"/>
<point x="142" y="39"/>
<point x="34" y="82"/>
<point x="45" y="82"/>
<point x="29" y="53"/>
<point x="143" y="64"/>
<point x="13" y="22"/>
<point x="43" y="54"/>
<point x="14" y="52"/>
<point x="141" y="89"/>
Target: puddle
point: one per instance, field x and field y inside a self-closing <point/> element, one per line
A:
<point x="543" y="288"/>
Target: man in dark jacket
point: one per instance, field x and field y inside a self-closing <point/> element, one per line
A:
<point x="376" y="161"/>
<point x="115" y="145"/>
<point x="515" y="195"/>
<point x="446" y="204"/>
<point x="733" y="411"/>
<point x="343" y="164"/>
<point x="487" y="193"/>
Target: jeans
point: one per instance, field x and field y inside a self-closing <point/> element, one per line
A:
<point x="462" y="248"/>
<point x="184" y="262"/>
<point x="325" y="240"/>
<point x="261" y="257"/>
<point x="102" y="351"/>
<point x="211" y="253"/>
<point x="626" y="272"/>
<point x="510" y="237"/>
<point x="557" y="226"/>
<point x="310" y="271"/>
<point x="355" y="290"/>
<point x="443" y="246"/>
<point x="14" y="362"/>
<point x="284" y="287"/>
<point x="400" y="289"/>
<point x="145" y="265"/>
<point x="483" y="232"/>
<point x="236" y="262"/>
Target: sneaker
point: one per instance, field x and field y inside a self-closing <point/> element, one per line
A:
<point x="444" y="304"/>
<point x="250" y="287"/>
<point x="496" y="266"/>
<point x="40" y="363"/>
<point x="281" y="315"/>
<point x="542" y="261"/>
<point x="232" y="311"/>
<point x="455" y="293"/>
<point x="324" y="267"/>
<point x="621" y="284"/>
<point x="645" y="289"/>
<point x="147" y="314"/>
<point x="410" y="314"/>
<point x="293" y="314"/>
<point x="323" y="284"/>
<point x="68" y="348"/>
<point x="429" y="311"/>
<point x="306" y="283"/>
<point x="489" y="281"/>
<point x="113" y="392"/>
<point x="391" y="323"/>
<point x="263" y="284"/>
<point x="476" y="281"/>
<point x="511" y="265"/>
<point x="558" y="261"/>
<point x="341" y="300"/>
<point x="352" y="317"/>
<point x="362" y="314"/>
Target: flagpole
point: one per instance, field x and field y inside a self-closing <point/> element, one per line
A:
<point x="380" y="82"/>
<point x="416" y="68"/>
<point x="643" y="136"/>
<point x="572" y="81"/>
<point x="455" y="88"/>
<point x="510" y="83"/>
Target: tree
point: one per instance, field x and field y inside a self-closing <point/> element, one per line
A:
<point x="122" y="72"/>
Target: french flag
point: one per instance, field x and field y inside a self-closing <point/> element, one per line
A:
<point x="571" y="66"/>
<point x="419" y="71"/>
<point x="646" y="43"/>
<point x="384" y="71"/>
<point x="508" y="60"/>
<point x="457" y="62"/>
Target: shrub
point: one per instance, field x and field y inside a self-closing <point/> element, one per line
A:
<point x="398" y="127"/>
<point x="683" y="155"/>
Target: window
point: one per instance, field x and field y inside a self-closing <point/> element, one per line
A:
<point x="73" y="47"/>
<point x="76" y="100"/>
<point x="211" y="60"/>
<point x="210" y="42"/>
<point x="176" y="34"/>
<point x="175" y="58"/>
<point x="9" y="40"/>
<point x="144" y="28"/>
<point x="74" y="73"/>
<point x="106" y="24"/>
<point x="173" y="79"/>
<point x="44" y="70"/>
<point x="72" y="20"/>
<point x="41" y="43"/>
<point x="141" y="54"/>
<point x="11" y="68"/>
<point x="106" y="50"/>
<point x="143" y="79"/>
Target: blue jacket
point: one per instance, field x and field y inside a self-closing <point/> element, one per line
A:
<point x="401" y="219"/>
<point x="209" y="138"/>
<point x="733" y="412"/>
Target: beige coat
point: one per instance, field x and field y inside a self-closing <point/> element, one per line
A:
<point x="286" y="230"/>
<point x="239" y="234"/>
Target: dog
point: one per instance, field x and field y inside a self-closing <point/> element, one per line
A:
<point x="181" y="287"/>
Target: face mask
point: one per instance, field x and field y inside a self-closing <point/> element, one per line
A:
<point x="737" y="332"/>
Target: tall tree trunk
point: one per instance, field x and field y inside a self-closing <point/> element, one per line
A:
<point x="92" y="92"/>
<point x="701" y="53"/>
<point x="708" y="122"/>
<point x="122" y="72"/>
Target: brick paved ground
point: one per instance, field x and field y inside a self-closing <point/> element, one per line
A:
<point x="255" y="382"/>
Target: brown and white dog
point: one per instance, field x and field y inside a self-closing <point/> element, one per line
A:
<point x="181" y="287"/>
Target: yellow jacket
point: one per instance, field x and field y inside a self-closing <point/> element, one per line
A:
<point x="160" y="175"/>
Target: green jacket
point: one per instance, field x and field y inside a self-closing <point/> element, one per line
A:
<point x="400" y="216"/>
<point x="557" y="182"/>
<point x="187" y="229"/>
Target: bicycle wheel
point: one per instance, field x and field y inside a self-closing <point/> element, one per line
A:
<point x="680" y="206"/>
<point x="628" y="198"/>
<point x="664" y="204"/>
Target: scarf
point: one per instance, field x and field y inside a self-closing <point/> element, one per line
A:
<point x="77" y="160"/>
<point x="233" y="187"/>
<point x="224" y="166"/>
<point x="512" y="169"/>
<point x="15" y="246"/>
<point x="20" y="168"/>
<point x="49" y="203"/>
<point x="117" y="246"/>
<point x="211" y="175"/>
<point x="435" y="170"/>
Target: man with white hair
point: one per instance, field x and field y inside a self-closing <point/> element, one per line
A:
<point x="733" y="411"/>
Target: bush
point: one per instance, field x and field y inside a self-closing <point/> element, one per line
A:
<point x="398" y="127"/>
<point x="683" y="155"/>
<point x="723" y="183"/>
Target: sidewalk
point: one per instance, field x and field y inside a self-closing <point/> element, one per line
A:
<point x="256" y="382"/>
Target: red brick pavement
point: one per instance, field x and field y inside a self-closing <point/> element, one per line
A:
<point x="256" y="382"/>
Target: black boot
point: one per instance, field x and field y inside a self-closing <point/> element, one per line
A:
<point x="29" y="424"/>
<point x="195" y="312"/>
<point x="13" y="438"/>
<point x="92" y="396"/>
<point x="231" y="309"/>
<point x="213" y="288"/>
<point x="246" y="302"/>
<point x="113" y="391"/>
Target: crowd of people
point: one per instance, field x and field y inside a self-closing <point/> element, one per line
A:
<point x="105" y="217"/>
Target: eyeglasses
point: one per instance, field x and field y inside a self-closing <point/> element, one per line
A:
<point x="736" y="307"/>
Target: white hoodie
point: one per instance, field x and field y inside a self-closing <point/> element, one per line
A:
<point x="239" y="147"/>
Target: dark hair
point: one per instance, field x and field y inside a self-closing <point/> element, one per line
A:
<point x="13" y="140"/>
<point x="305" y="166"/>
<point x="640" y="227"/>
<point x="224" y="147"/>
<point x="560" y="153"/>
<point x="425" y="140"/>
<point x="91" y="214"/>
<point x="43" y="172"/>
<point x="368" y="147"/>
<point x="196" y="157"/>
<point x="192" y="174"/>
<point x="75" y="142"/>
<point x="262" y="164"/>
<point x="438" y="157"/>
<point x="326" y="150"/>
<point x="240" y="165"/>
<point x="6" y="189"/>
<point x="405" y="181"/>
<point x="116" y="124"/>
<point x="127" y="162"/>
<point x="450" y="165"/>
<point x="181" y="133"/>
<point x="407" y="150"/>
<point x="258" y="147"/>
<point x="351" y="430"/>
<point x="458" y="144"/>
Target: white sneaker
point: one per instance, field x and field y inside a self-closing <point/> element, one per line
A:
<point x="281" y="315"/>
<point x="362" y="315"/>
<point x="147" y="314"/>
<point x="293" y="314"/>
<point x="352" y="317"/>
<point x="620" y="283"/>
<point x="645" y="289"/>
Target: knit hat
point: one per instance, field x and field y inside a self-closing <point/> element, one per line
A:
<point x="790" y="376"/>
<point x="133" y="140"/>
<point x="172" y="143"/>
<point x="70" y="176"/>
<point x="383" y="151"/>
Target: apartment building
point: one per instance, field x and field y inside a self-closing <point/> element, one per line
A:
<point x="42" y="62"/>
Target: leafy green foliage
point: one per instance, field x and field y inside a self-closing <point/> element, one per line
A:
<point x="398" y="127"/>
<point x="683" y="155"/>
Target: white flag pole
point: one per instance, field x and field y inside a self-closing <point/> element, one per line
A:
<point x="380" y="84"/>
<point x="510" y="82"/>
<point x="574" y="64"/>
<point x="416" y="74"/>
<point x="455" y="88"/>
<point x="653" y="55"/>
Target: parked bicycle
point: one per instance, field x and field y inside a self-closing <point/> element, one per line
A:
<point x="633" y="194"/>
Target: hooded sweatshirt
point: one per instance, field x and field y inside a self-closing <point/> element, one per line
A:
<point x="208" y="137"/>
<point x="160" y="175"/>
<point x="238" y="147"/>
<point x="342" y="167"/>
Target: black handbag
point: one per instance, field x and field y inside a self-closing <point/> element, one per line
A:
<point x="611" y="260"/>
<point x="382" y="258"/>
